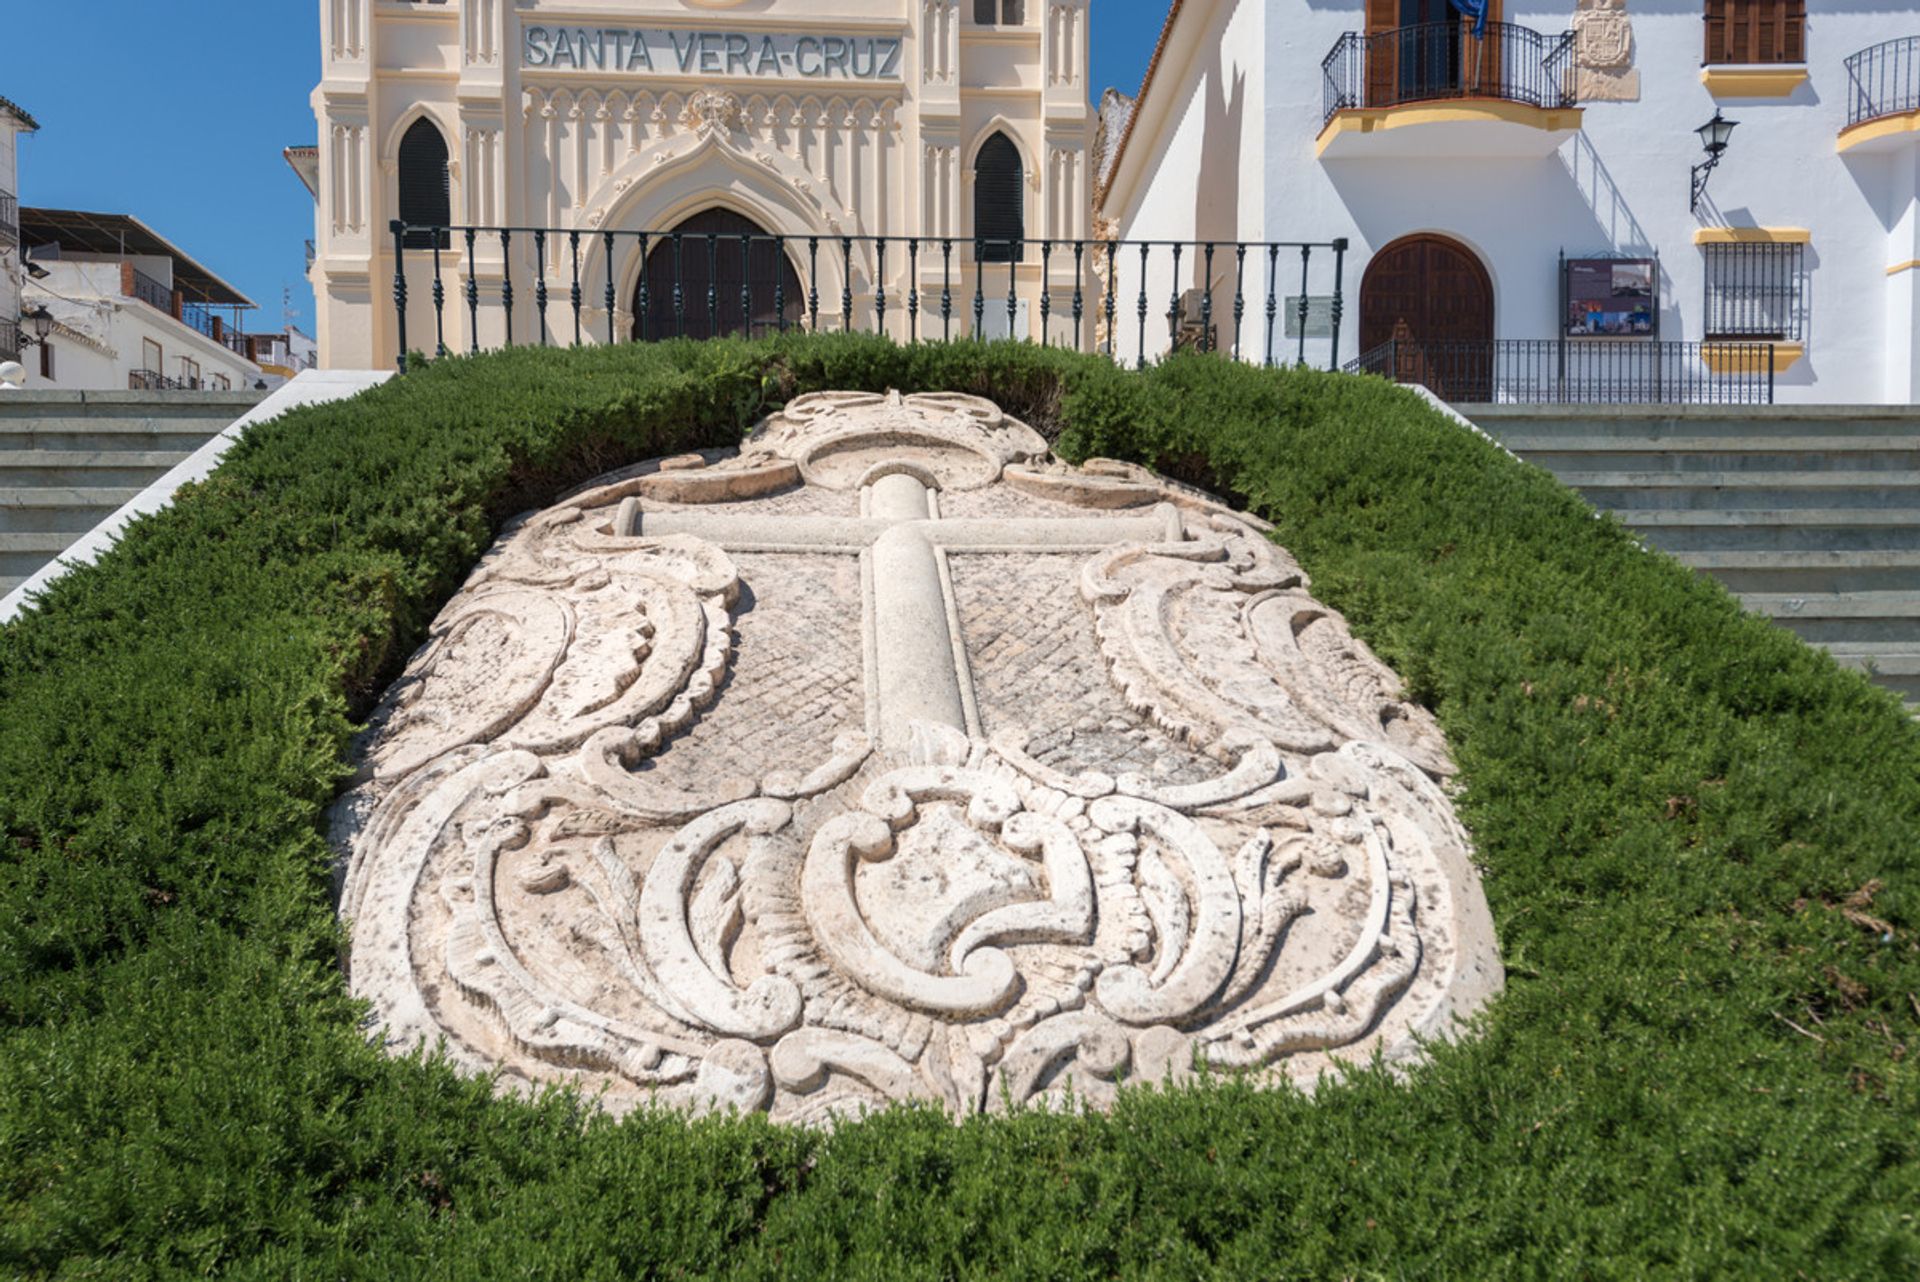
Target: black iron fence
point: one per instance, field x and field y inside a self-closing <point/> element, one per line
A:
<point x="1446" y="60"/>
<point x="1883" y="80"/>
<point x="146" y="380"/>
<point x="1577" y="371"/>
<point x="1135" y="300"/>
<point x="149" y="291"/>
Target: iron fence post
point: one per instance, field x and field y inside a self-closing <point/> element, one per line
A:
<point x="399" y="230"/>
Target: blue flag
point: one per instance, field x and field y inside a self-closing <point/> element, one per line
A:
<point x="1477" y="10"/>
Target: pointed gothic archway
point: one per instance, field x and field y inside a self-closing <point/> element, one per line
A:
<point x="732" y="276"/>
<point x="1432" y="298"/>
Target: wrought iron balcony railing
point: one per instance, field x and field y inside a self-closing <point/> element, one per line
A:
<point x="9" y="340"/>
<point x="1133" y="300"/>
<point x="139" y="285"/>
<point x="146" y="380"/>
<point x="1439" y="60"/>
<point x="9" y="220"/>
<point x="1579" y="371"/>
<point x="1883" y="80"/>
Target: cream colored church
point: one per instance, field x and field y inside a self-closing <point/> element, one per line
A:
<point x="809" y="121"/>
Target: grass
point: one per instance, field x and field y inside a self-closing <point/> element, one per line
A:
<point x="1700" y="839"/>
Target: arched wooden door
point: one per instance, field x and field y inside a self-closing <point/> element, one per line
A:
<point x="1432" y="298"/>
<point x="732" y="278"/>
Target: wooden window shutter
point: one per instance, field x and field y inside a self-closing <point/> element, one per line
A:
<point x="999" y="201"/>
<point x="1756" y="31"/>
<point x="426" y="190"/>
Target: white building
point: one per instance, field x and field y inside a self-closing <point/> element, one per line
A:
<point x="1520" y="207"/>
<point x="808" y="120"/>
<point x="14" y="121"/>
<point x="130" y="309"/>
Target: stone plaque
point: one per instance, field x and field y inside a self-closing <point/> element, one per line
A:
<point x="892" y="759"/>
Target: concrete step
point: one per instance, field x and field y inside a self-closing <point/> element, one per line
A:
<point x="20" y="468"/>
<point x="1724" y="491"/>
<point x="51" y="508"/>
<point x="1833" y="618"/>
<point x="23" y="553"/>
<point x="1784" y="529"/>
<point x="8" y="582"/>
<point x="1693" y="457"/>
<point x="1693" y="422"/>
<point x="1812" y="573"/>
<point x="1897" y="670"/>
<point x="172" y="435"/>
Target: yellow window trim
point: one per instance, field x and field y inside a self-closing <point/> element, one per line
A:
<point x="1753" y="82"/>
<point x="1734" y="358"/>
<point x="1906" y="122"/>
<point x="1751" y="236"/>
<point x="1367" y="120"/>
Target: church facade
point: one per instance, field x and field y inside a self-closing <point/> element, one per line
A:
<point x="799" y="147"/>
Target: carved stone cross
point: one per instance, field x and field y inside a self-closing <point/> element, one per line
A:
<point x="1199" y="820"/>
<point x="917" y="666"/>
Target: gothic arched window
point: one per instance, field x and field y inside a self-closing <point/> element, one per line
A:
<point x="999" y="196"/>
<point x="426" y="192"/>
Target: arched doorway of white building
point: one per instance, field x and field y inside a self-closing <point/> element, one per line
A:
<point x="732" y="277"/>
<point x="1432" y="299"/>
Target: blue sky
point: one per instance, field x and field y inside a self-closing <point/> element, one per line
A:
<point x="176" y="111"/>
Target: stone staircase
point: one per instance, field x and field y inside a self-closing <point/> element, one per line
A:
<point x="1810" y="514"/>
<point x="69" y="459"/>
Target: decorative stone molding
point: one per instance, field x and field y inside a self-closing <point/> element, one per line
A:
<point x="890" y="758"/>
<point x="1603" y="52"/>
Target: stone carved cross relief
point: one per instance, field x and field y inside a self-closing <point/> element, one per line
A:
<point x="930" y="914"/>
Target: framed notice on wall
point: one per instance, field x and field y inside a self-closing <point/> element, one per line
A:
<point x="1611" y="297"/>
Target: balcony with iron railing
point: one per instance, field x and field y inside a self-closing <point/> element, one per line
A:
<point x="1883" y="96"/>
<point x="9" y="340"/>
<point x="9" y="220"/>
<point x="1438" y="89"/>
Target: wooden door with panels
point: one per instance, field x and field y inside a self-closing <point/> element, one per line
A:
<point x="1432" y="298"/>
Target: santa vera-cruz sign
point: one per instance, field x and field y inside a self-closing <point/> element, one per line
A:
<point x="712" y="53"/>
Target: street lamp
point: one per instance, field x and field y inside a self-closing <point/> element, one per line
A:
<point x="39" y="323"/>
<point x="1713" y="137"/>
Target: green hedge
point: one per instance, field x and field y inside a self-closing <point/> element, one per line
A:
<point x="1700" y="840"/>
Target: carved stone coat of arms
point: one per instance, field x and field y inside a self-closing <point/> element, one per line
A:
<point x="890" y="758"/>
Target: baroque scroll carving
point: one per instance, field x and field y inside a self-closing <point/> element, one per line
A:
<point x="891" y="759"/>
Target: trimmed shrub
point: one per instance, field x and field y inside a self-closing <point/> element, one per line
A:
<point x="1700" y="840"/>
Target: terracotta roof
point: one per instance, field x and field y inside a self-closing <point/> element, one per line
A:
<point x="19" y="113"/>
<point x="1139" y="103"/>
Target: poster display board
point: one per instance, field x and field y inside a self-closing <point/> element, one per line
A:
<point x="1611" y="297"/>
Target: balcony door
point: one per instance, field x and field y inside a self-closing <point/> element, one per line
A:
<point x="1433" y="300"/>
<point x="1425" y="49"/>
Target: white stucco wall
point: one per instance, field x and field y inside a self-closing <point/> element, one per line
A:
<point x="101" y="341"/>
<point x="1620" y="186"/>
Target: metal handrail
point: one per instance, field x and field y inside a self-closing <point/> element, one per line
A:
<point x="150" y="291"/>
<point x="1593" y="371"/>
<point x="1441" y="60"/>
<point x="1093" y="295"/>
<point x="1883" y="80"/>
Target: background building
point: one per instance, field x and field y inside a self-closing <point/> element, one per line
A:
<point x="1524" y="207"/>
<point x="130" y="309"/>
<point x="14" y="121"/>
<point x="811" y="120"/>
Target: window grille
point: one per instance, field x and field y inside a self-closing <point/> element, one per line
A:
<point x="999" y="194"/>
<point x="426" y="191"/>
<point x="1756" y="291"/>
<point x="1756" y="31"/>
<point x="1000" y="13"/>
